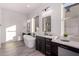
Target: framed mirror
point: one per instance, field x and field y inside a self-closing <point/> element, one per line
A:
<point x="46" y="24"/>
<point x="28" y="27"/>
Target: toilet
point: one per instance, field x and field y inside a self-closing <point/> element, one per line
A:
<point x="29" y="41"/>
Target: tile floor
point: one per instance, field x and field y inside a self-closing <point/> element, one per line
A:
<point x="17" y="49"/>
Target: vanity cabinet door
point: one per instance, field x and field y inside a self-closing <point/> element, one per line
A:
<point x="40" y="44"/>
<point x="37" y="43"/>
<point x="54" y="49"/>
<point x="48" y="47"/>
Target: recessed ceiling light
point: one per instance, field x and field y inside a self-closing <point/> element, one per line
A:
<point x="27" y="6"/>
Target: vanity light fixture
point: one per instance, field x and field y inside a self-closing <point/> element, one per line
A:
<point x="46" y="11"/>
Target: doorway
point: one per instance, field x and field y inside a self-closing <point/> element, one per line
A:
<point x="10" y="33"/>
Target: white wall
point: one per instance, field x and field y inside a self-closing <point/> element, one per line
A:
<point x="0" y="28"/>
<point x="55" y="17"/>
<point x="10" y="18"/>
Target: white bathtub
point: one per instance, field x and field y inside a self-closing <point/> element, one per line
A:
<point x="29" y="41"/>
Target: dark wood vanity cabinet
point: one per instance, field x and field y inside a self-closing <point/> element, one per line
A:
<point x="45" y="46"/>
<point x="48" y="49"/>
<point x="54" y="49"/>
<point x="40" y="44"/>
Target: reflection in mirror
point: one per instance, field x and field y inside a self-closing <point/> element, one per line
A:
<point x="46" y="24"/>
<point x="28" y="27"/>
<point x="36" y="23"/>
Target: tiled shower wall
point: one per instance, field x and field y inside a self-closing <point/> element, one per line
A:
<point x="72" y="27"/>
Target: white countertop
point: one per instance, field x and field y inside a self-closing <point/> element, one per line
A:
<point x="46" y="36"/>
<point x="70" y="43"/>
<point x="74" y="44"/>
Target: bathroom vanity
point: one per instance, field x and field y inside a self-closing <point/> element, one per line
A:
<point x="45" y="45"/>
<point x="50" y="47"/>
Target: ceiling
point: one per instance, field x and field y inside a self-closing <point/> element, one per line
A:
<point x="24" y="8"/>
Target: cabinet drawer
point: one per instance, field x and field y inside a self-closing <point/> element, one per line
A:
<point x="48" y="46"/>
<point x="54" y="44"/>
<point x="54" y="49"/>
<point x="49" y="50"/>
<point x="48" y="53"/>
<point x="47" y="39"/>
<point x="48" y="42"/>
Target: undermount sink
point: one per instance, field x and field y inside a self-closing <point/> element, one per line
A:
<point x="65" y="40"/>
